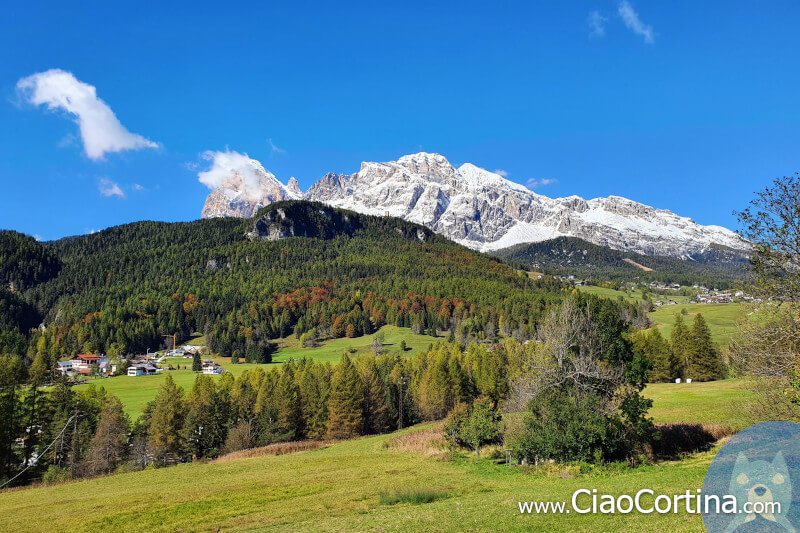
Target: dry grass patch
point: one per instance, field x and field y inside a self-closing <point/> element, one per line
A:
<point x="279" y="448"/>
<point x="428" y="442"/>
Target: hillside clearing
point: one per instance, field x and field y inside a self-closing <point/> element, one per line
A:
<point x="722" y="319"/>
<point x="712" y="402"/>
<point x="637" y="265"/>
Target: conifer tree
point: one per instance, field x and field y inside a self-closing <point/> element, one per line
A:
<point x="287" y="398"/>
<point x="681" y="341"/>
<point x="197" y="363"/>
<point x="653" y="345"/>
<point x="109" y="445"/>
<point x="206" y="420"/>
<point x="704" y="360"/>
<point x="165" y="436"/>
<point x="376" y="412"/>
<point x="345" y="415"/>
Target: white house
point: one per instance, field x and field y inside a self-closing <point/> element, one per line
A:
<point x="210" y="367"/>
<point x="142" y="370"/>
<point x="65" y="367"/>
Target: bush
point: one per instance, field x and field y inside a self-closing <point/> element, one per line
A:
<point x="565" y="428"/>
<point x="55" y="474"/>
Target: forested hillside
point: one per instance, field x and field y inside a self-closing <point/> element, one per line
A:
<point x="718" y="266"/>
<point x="120" y="289"/>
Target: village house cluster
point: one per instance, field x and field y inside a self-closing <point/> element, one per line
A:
<point x="149" y="364"/>
<point x="85" y="365"/>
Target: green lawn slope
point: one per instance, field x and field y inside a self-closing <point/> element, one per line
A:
<point x="338" y="489"/>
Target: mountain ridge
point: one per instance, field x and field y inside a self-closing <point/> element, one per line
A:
<point x="485" y="211"/>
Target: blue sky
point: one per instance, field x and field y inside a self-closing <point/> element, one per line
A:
<point x="689" y="106"/>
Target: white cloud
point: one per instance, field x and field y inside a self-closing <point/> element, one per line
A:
<point x="274" y="149"/>
<point x="37" y="237"/>
<point x="138" y="188"/>
<point x="229" y="165"/>
<point x="631" y="20"/>
<point x="597" y="23"/>
<point x="108" y="188"/>
<point x="100" y="130"/>
<point x="67" y="140"/>
<point x="501" y="172"/>
<point x="533" y="182"/>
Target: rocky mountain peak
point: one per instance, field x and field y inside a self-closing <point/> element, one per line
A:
<point x="485" y="211"/>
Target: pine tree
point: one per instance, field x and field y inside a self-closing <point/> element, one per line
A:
<point x="289" y="405"/>
<point x="681" y="341"/>
<point x="345" y="416"/>
<point x="206" y="419"/>
<point x="197" y="363"/>
<point x="704" y="360"/>
<point x="376" y="412"/>
<point x="109" y="445"/>
<point x="653" y="345"/>
<point x="165" y="436"/>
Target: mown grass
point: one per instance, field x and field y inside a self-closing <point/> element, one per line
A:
<point x="135" y="392"/>
<point x="633" y="295"/>
<point x="404" y="481"/>
<point x="339" y="489"/>
<point x="332" y="350"/>
<point x="713" y="402"/>
<point x="722" y="319"/>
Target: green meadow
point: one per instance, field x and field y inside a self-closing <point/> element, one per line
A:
<point x="331" y="351"/>
<point x="354" y="485"/>
<point x="712" y="402"/>
<point x="722" y="319"/>
<point x="401" y="481"/>
<point x="633" y="295"/>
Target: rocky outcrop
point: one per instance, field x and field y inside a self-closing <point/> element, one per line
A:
<point x="238" y="197"/>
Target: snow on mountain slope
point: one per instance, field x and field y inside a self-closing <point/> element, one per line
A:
<point x="485" y="211"/>
<point x="241" y="186"/>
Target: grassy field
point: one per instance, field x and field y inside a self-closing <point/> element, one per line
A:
<point x="631" y="296"/>
<point x="723" y="401"/>
<point x="340" y="488"/>
<point x="135" y="392"/>
<point x="289" y="348"/>
<point x="355" y="486"/>
<point x="722" y="319"/>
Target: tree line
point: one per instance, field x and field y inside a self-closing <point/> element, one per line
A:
<point x="581" y="354"/>
<point x="690" y="352"/>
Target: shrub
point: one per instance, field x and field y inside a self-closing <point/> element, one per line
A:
<point x="55" y="474"/>
<point x="563" y="427"/>
<point x="412" y="496"/>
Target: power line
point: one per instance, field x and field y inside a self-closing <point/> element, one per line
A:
<point x="40" y="455"/>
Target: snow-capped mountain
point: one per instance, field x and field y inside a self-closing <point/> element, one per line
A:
<point x="245" y="188"/>
<point x="485" y="211"/>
